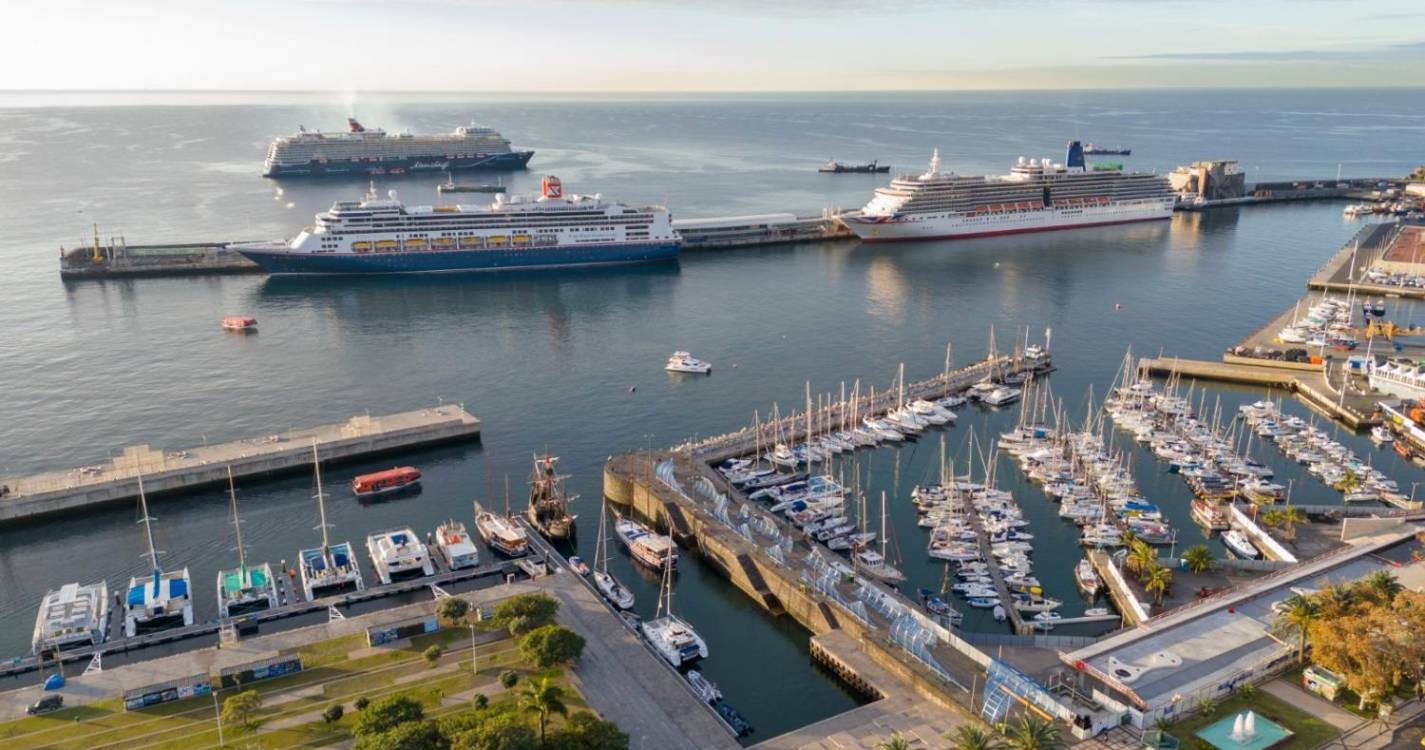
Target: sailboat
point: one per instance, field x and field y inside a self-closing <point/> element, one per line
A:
<point x="548" y="502"/>
<point x="244" y="589"/>
<point x="671" y="636"/>
<point x="331" y="568"/>
<point x="604" y="581"/>
<point x="874" y="563"/>
<point x="162" y="600"/>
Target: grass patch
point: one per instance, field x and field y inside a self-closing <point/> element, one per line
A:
<point x="1307" y="731"/>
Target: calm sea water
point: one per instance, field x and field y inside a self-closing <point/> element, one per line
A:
<point x="546" y="359"/>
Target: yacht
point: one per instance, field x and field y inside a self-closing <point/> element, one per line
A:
<point x="653" y="550"/>
<point x="456" y="546"/>
<point x="1001" y="396"/>
<point x="1240" y="544"/>
<point x="1087" y="578"/>
<point x="398" y="554"/>
<point x="604" y="581"/>
<point x="330" y="569"/>
<point x="685" y="362"/>
<point x="671" y="636"/>
<point x="500" y="533"/>
<point x="1380" y="435"/>
<point x="244" y="589"/>
<point x="71" y="616"/>
<point x="873" y="564"/>
<point x="162" y="600"/>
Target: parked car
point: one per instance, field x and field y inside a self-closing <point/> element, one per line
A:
<point x="45" y="705"/>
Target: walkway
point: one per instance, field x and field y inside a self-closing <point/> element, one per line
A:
<point x="1314" y="705"/>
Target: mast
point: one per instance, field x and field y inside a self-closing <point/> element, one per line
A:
<point x="883" y="524"/>
<point x="148" y="531"/>
<point x="237" y="528"/>
<point x="321" y="501"/>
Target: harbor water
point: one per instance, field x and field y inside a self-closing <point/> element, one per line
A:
<point x="571" y="361"/>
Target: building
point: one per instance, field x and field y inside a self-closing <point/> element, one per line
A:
<point x="1209" y="181"/>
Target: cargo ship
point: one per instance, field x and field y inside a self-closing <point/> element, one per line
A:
<point x="1093" y="150"/>
<point x="549" y="230"/>
<point x="1036" y="196"/>
<point x="360" y="151"/>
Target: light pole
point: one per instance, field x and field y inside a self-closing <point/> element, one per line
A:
<point x="474" y="657"/>
<point x="218" y="716"/>
<point x="1413" y="485"/>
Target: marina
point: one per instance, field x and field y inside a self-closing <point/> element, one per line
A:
<point x="165" y="471"/>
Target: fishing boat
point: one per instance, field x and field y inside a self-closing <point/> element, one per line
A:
<point x="548" y="510"/>
<point x="1087" y="577"/>
<point x="398" y="554"/>
<point x="500" y="533"/>
<point x="244" y="589"/>
<point x="1240" y="544"/>
<point x="160" y="601"/>
<point x="331" y="568"/>
<point x="655" y="551"/>
<point x="836" y="167"/>
<point x="385" y="482"/>
<point x="70" y="616"/>
<point x="671" y="636"/>
<point x="685" y="362"/>
<point x="240" y="323"/>
<point x="703" y="687"/>
<point x="456" y="546"/>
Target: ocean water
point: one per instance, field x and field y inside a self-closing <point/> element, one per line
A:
<point x="547" y="359"/>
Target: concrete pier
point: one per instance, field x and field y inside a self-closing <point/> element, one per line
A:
<point x="119" y="259"/>
<point x="180" y="470"/>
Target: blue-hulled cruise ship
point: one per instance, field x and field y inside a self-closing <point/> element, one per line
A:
<point x="549" y="230"/>
<point x="362" y="151"/>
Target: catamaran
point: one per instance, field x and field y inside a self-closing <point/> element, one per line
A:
<point x="671" y="636"/>
<point x="604" y="581"/>
<point x="244" y="589"/>
<point x="159" y="602"/>
<point x="456" y="546"/>
<point x="330" y="569"/>
<point x="398" y="554"/>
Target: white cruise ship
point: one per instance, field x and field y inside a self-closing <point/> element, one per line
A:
<point x="515" y="232"/>
<point x="1037" y="195"/>
<point x="1399" y="377"/>
<point x="362" y="151"/>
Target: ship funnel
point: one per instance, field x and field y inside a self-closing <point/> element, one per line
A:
<point x="550" y="187"/>
<point x="354" y="126"/>
<point x="392" y="195"/>
<point x="1075" y="157"/>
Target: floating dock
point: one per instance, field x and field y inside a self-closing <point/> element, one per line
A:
<point x="760" y="229"/>
<point x="120" y="259"/>
<point x="27" y="497"/>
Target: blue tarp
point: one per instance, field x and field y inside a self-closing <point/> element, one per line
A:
<point x="136" y="596"/>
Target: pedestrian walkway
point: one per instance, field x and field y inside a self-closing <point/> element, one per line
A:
<point x="1312" y="704"/>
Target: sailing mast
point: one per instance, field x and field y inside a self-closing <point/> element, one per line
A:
<point x="148" y="531"/>
<point x="321" y="503"/>
<point x="237" y="529"/>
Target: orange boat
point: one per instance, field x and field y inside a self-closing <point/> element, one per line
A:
<point x="382" y="482"/>
<point x="239" y="323"/>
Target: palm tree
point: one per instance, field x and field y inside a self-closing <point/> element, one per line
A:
<point x="1140" y="557"/>
<point x="543" y="699"/>
<point x="1290" y="518"/>
<point x="1271" y="518"/>
<point x="1300" y="612"/>
<point x="896" y="742"/>
<point x="1156" y="581"/>
<point x="974" y="737"/>
<point x="1199" y="558"/>
<point x="1033" y="733"/>
<point x="1381" y="586"/>
<point x="1336" y="600"/>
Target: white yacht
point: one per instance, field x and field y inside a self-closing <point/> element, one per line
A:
<point x="398" y="554"/>
<point x="1240" y="544"/>
<point x="330" y="569"/>
<point x="72" y="615"/>
<point x="685" y="362"/>
<point x="873" y="564"/>
<point x="671" y="636"/>
<point x="162" y="600"/>
<point x="501" y="534"/>
<point x="456" y="546"/>
<point x="653" y="550"/>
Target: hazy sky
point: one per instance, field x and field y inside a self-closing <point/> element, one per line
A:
<point x="711" y="45"/>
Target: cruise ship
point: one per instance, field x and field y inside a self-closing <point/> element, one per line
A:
<point x="1398" y="377"/>
<point x="1036" y="196"/>
<point x="360" y="151"/>
<point x="519" y="232"/>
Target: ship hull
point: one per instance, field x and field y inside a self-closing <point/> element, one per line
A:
<point x="281" y="262"/>
<point x="511" y="160"/>
<point x="959" y="226"/>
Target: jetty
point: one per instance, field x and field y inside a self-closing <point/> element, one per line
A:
<point x="168" y="471"/>
<point x="118" y="259"/>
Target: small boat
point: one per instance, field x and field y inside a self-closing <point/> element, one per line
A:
<point x="1048" y="617"/>
<point x="983" y="602"/>
<point x="385" y="482"/>
<point x="1097" y="612"/>
<point x="456" y="545"/>
<point x="933" y="603"/>
<point x="653" y="550"/>
<point x="703" y="687"/>
<point x="1087" y="577"/>
<point x="1240" y="544"/>
<point x="240" y="323"/>
<point x="398" y="554"/>
<point x="739" y="725"/>
<point x="1380" y="435"/>
<point x="836" y="167"/>
<point x="999" y="614"/>
<point x="501" y="534"/>
<point x="685" y="362"/>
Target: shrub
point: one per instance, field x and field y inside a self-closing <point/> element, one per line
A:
<point x="550" y="645"/>
<point x="386" y="714"/>
<point x="452" y="610"/>
<point x="508" y="678"/>
<point x="361" y="703"/>
<point x="481" y="700"/>
<point x="432" y="655"/>
<point x="333" y="713"/>
<point x="239" y="708"/>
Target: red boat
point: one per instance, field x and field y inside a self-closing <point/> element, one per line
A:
<point x="382" y="482"/>
<point x="239" y="323"/>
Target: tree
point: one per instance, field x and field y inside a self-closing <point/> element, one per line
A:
<point x="1336" y="600"/>
<point x="1156" y="581"/>
<point x="896" y="742"/>
<point x="585" y="731"/>
<point x="481" y="700"/>
<point x="1299" y="612"/>
<point x="1199" y="559"/>
<point x="551" y="645"/>
<point x="361" y="703"/>
<point x="432" y="655"/>
<point x="1206" y="705"/>
<point x="540" y="609"/>
<point x="520" y="625"/>
<point x="974" y="737"/>
<point x="1381" y="587"/>
<point x="452" y="610"/>
<point x="333" y="713"/>
<point x="386" y="714"/>
<point x="508" y="678"/>
<point x="239" y="708"/>
<point x="543" y="699"/>
<point x="1032" y="733"/>
<point x="493" y="730"/>
<point x="1375" y="646"/>
<point x="411" y="735"/>
<point x="1140" y="557"/>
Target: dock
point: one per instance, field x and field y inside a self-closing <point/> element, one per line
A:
<point x="761" y="229"/>
<point x="119" y="259"/>
<point x="169" y="471"/>
<point x="982" y="538"/>
<point x="1286" y="191"/>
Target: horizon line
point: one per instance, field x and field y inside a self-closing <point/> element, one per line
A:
<point x="1246" y="87"/>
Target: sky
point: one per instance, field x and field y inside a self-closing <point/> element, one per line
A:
<point x="707" y="45"/>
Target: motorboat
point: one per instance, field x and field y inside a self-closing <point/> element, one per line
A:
<point x="1380" y="435"/>
<point x="240" y="323"/>
<point x="1087" y="578"/>
<point x="703" y="687"/>
<point x="983" y="602"/>
<point x="685" y="362"/>
<point x="398" y="554"/>
<point x="655" y="551"/>
<point x="456" y="546"/>
<point x="577" y="564"/>
<point x="872" y="563"/>
<point x="1240" y="544"/>
<point x="501" y="533"/>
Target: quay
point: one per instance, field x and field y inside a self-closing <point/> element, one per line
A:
<point x="165" y="471"/>
<point x="761" y="229"/>
<point x="120" y="259"/>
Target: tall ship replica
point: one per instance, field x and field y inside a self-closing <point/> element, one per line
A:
<point x="359" y="151"/>
<point x="519" y="232"/>
<point x="1036" y="196"/>
<point x="548" y="501"/>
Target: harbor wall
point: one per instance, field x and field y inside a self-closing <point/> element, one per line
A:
<point x="165" y="473"/>
<point x="1355" y="528"/>
<point x="1270" y="546"/>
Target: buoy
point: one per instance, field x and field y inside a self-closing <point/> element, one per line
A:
<point x="996" y="264"/>
<point x="632" y="388"/>
<point x="1117" y="306"/>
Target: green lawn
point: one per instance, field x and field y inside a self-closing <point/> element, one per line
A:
<point x="1307" y="731"/>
